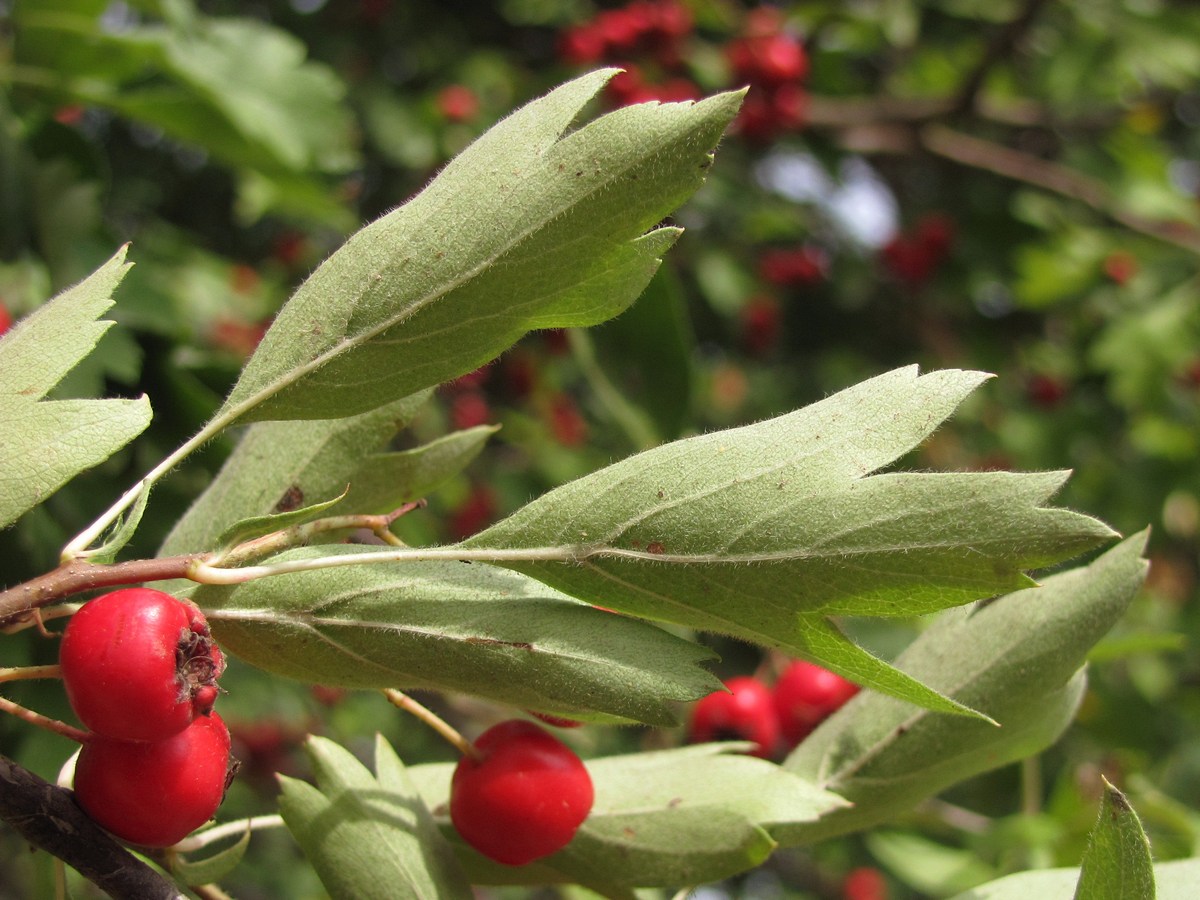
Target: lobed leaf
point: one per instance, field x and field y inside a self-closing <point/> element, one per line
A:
<point x="368" y="836"/>
<point x="471" y="629"/>
<point x="1018" y="658"/>
<point x="277" y="465"/>
<point x="761" y="531"/>
<point x="532" y="226"/>
<point x="687" y="816"/>
<point x="48" y="442"/>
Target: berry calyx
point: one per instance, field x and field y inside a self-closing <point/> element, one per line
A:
<point x="155" y="794"/>
<point x="806" y="695"/>
<point x="521" y="795"/>
<point x="744" y="713"/>
<point x="139" y="665"/>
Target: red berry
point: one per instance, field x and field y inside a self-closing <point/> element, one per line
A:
<point x="761" y="321"/>
<point x="793" y="266"/>
<point x="1046" y="391"/>
<point x="566" y="422"/>
<point x="1120" y="266"/>
<point x="744" y="713"/>
<point x="522" y="796"/>
<point x="5" y="319"/>
<point x="865" y="883"/>
<point x="139" y="665"/>
<point x="155" y="794"/>
<point x="476" y="512"/>
<point x="582" y="45"/>
<point x="805" y="696"/>
<point x="457" y="103"/>
<point x="468" y="409"/>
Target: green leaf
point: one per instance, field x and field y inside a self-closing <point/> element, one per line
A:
<point x="757" y="531"/>
<point x="1017" y="658"/>
<point x="1116" y="864"/>
<point x="47" y="443"/>
<point x="368" y="836"/>
<point x="472" y="629"/>
<point x="211" y="868"/>
<point x="258" y="526"/>
<point x="276" y="465"/>
<point x="686" y="816"/>
<point x="533" y="226"/>
<point x="384" y="481"/>
<point x="1175" y="880"/>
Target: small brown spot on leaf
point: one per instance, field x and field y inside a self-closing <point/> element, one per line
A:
<point x="292" y="498"/>
<point x="655" y="547"/>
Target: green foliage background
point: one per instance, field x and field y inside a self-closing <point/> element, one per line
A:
<point x="236" y="145"/>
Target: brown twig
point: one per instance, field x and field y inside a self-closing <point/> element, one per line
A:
<point x="992" y="157"/>
<point x="80" y="575"/>
<point x="48" y="818"/>
<point x="1003" y="41"/>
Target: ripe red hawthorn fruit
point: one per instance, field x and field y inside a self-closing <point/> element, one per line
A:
<point x="745" y="713"/>
<point x="139" y="665"/>
<point x="522" y="796"/>
<point x="457" y="103"/>
<point x="155" y="794"/>
<point x="865" y="883"/>
<point x="5" y="319"/>
<point x="806" y="695"/>
<point x="1120" y="266"/>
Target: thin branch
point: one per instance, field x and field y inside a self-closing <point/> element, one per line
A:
<point x="989" y="156"/>
<point x="48" y="818"/>
<point x="80" y="575"/>
<point x="1003" y="41"/>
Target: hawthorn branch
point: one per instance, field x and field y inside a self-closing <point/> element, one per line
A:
<point x="1003" y="42"/>
<point x="989" y="156"/>
<point x="79" y="575"/>
<point x="48" y="818"/>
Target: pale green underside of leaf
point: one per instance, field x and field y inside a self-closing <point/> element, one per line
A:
<point x="369" y="836"/>
<point x="760" y="531"/>
<point x="1117" y="863"/>
<point x="472" y="629"/>
<point x="279" y="461"/>
<point x="1016" y="658"/>
<point x="531" y="227"/>
<point x="212" y="868"/>
<point x="1175" y="880"/>
<point x="47" y="443"/>
<point x="686" y="816"/>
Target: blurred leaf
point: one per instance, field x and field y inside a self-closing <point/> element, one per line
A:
<point x="48" y="443"/>
<point x="1176" y="880"/>
<point x="648" y="349"/>
<point x="212" y="868"/>
<point x="930" y="867"/>
<point x="530" y="227"/>
<point x="385" y="481"/>
<point x="368" y="836"/>
<point x="1116" y="865"/>
<point x="276" y="465"/>
<point x="1016" y="658"/>
<point x="760" y="531"/>
<point x="687" y="816"/>
<point x="472" y="629"/>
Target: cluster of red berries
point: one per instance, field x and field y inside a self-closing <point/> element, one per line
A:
<point x="520" y="795"/>
<point x="140" y="670"/>
<point x="912" y="257"/>
<point x="775" y="718"/>
<point x="773" y="62"/>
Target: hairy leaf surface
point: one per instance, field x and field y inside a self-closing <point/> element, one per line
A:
<point x="471" y="629"/>
<point x="1017" y="658"/>
<point x="48" y="442"/>
<point x="763" y="530"/>
<point x="532" y="226"/>
<point x="368" y="836"/>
